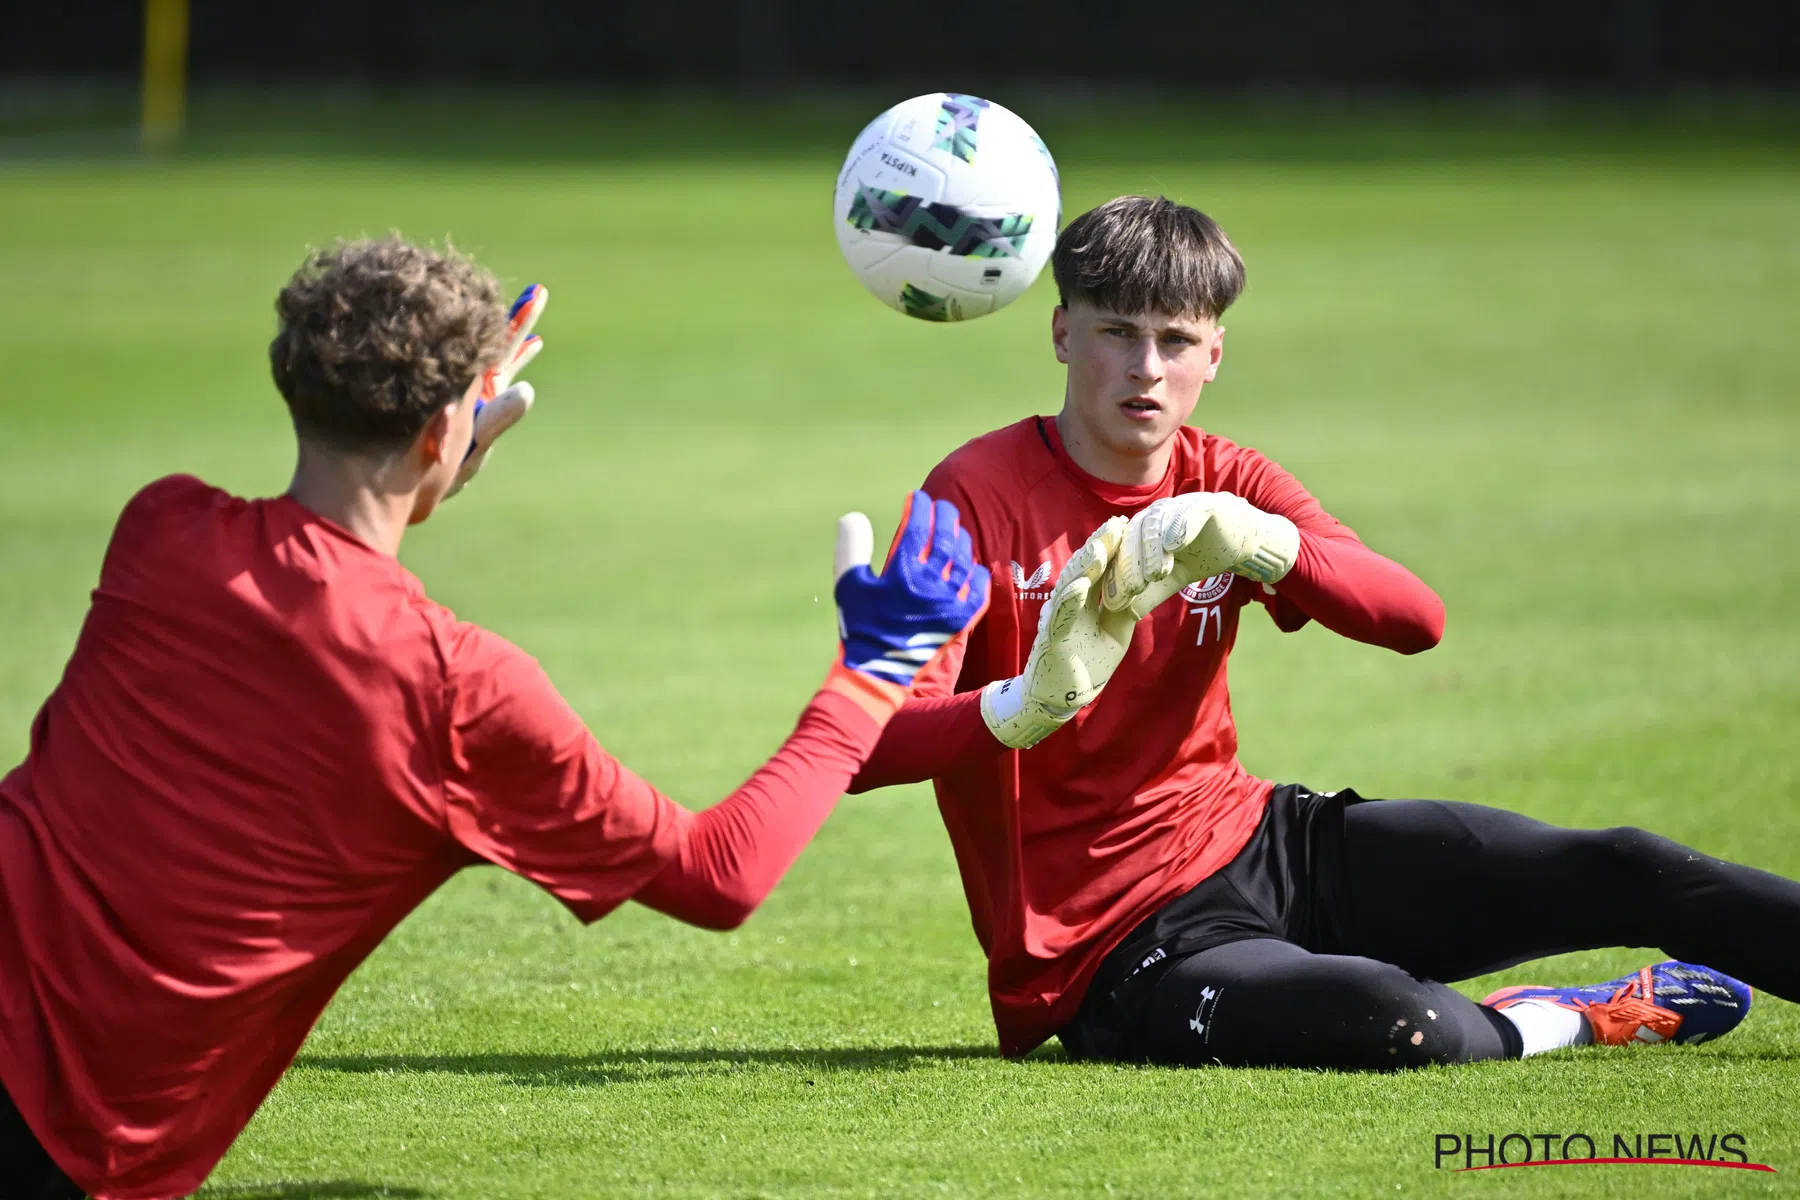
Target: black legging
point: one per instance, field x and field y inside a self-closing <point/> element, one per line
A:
<point x="26" y="1172"/>
<point x="1440" y="891"/>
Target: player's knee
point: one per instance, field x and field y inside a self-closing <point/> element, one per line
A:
<point x="1638" y="851"/>
<point x="1400" y="1022"/>
<point x="1418" y="1035"/>
<point x="1340" y="1013"/>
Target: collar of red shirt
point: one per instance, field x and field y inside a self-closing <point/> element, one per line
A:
<point x="1113" y="493"/>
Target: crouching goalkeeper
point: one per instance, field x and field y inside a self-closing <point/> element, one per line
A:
<point x="269" y="745"/>
<point x="1141" y="895"/>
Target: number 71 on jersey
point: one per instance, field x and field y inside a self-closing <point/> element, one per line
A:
<point x="1213" y="613"/>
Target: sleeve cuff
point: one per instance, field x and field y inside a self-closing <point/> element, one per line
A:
<point x="876" y="697"/>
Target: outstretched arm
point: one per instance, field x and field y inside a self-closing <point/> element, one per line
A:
<point x="1336" y="580"/>
<point x="931" y="737"/>
<point x="733" y="854"/>
<point x="528" y="788"/>
<point x="1351" y="590"/>
<point x="1262" y="524"/>
<point x="895" y="626"/>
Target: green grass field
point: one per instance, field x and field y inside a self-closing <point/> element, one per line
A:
<point x="1549" y="365"/>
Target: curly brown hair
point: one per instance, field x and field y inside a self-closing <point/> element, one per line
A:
<point x="378" y="335"/>
<point x="1141" y="254"/>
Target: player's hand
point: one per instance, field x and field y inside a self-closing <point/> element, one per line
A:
<point x="894" y="623"/>
<point x="1187" y="538"/>
<point x="501" y="403"/>
<point x="1080" y="643"/>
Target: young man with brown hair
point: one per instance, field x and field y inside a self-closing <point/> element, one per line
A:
<point x="269" y="745"/>
<point x="1137" y="892"/>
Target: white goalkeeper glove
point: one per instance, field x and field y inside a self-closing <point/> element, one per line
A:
<point x="1079" y="645"/>
<point x="1187" y="538"/>
<point x="501" y="403"/>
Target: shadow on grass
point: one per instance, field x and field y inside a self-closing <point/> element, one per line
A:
<point x="324" y="1189"/>
<point x="642" y="1066"/>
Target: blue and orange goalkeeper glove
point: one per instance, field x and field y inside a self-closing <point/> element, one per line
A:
<point x="892" y="625"/>
<point x="501" y="403"/>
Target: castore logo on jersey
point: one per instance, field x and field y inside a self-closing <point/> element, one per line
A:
<point x="1036" y="585"/>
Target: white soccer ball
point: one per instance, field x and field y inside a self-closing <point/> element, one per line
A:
<point x="947" y="207"/>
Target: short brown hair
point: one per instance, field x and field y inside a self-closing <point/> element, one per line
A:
<point x="1140" y="254"/>
<point x="377" y="336"/>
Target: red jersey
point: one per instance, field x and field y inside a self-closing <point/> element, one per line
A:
<point x="1064" y="848"/>
<point x="268" y="747"/>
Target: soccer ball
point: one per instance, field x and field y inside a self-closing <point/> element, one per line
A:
<point x="947" y="207"/>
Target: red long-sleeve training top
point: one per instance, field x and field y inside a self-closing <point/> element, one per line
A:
<point x="268" y="747"/>
<point x="1065" y="847"/>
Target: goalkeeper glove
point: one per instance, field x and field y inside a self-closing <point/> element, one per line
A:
<point x="1079" y="644"/>
<point x="1194" y="536"/>
<point x="501" y="403"/>
<point x="893" y="624"/>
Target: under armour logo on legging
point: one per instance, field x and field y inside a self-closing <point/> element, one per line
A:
<point x="1208" y="1000"/>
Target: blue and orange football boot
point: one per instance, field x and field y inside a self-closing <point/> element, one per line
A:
<point x="1666" y="1001"/>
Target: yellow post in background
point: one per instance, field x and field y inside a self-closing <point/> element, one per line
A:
<point x="165" y="73"/>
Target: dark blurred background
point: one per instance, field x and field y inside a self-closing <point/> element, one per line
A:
<point x="1628" y="46"/>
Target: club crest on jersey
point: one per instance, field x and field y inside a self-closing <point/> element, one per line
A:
<point x="1035" y="586"/>
<point x="1208" y="590"/>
